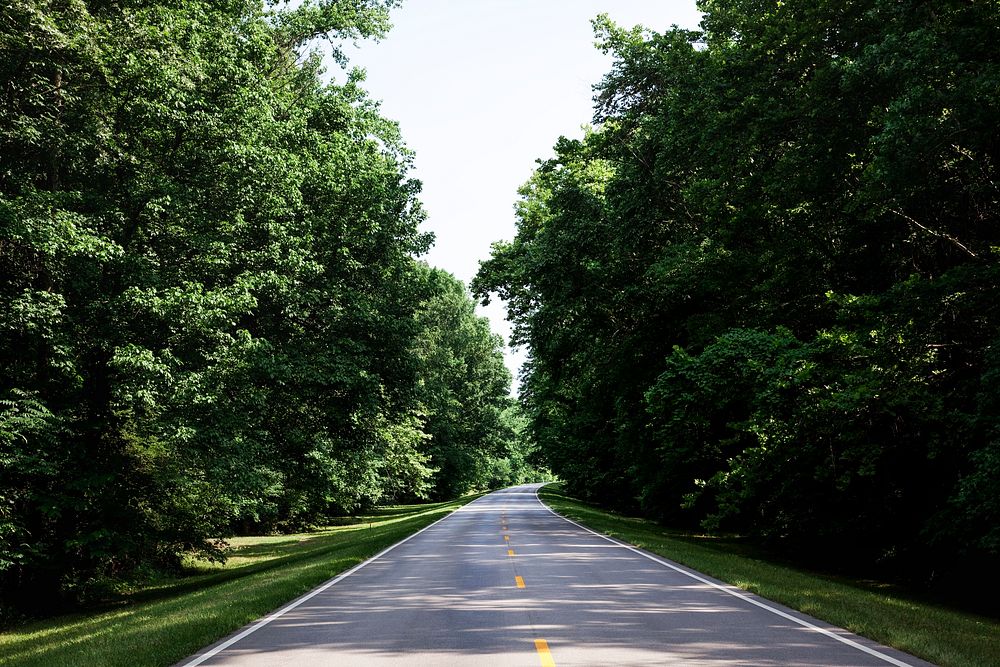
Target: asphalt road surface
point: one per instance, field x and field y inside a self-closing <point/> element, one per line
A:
<point x="504" y="581"/>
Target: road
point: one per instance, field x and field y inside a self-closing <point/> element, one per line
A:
<point x="505" y="581"/>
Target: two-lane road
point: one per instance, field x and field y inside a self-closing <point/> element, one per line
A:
<point x="504" y="581"/>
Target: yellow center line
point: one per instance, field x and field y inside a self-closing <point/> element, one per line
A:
<point x="510" y="552"/>
<point x="543" y="653"/>
<point x="519" y="581"/>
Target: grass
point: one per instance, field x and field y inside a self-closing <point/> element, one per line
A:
<point x="884" y="613"/>
<point x="171" y="619"/>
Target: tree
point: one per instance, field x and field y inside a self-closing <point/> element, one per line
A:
<point x="464" y="388"/>
<point x="208" y="292"/>
<point x="759" y="295"/>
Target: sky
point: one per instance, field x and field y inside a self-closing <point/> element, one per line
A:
<point x="481" y="89"/>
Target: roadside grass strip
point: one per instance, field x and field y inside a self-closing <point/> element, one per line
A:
<point x="170" y="620"/>
<point x="936" y="633"/>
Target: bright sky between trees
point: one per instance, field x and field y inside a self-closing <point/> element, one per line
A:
<point x="483" y="88"/>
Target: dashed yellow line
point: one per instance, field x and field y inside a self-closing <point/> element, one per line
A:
<point x="544" y="655"/>
<point x="519" y="581"/>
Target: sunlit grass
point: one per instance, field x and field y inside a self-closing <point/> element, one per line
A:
<point x="170" y="619"/>
<point x="884" y="613"/>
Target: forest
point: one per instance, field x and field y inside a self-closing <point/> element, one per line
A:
<point x="761" y="295"/>
<point x="214" y="316"/>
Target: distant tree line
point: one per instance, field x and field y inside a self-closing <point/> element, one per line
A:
<point x="763" y="294"/>
<point x="211" y="318"/>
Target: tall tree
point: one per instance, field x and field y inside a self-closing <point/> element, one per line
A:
<point x="464" y="388"/>
<point x="207" y="289"/>
<point x="761" y="294"/>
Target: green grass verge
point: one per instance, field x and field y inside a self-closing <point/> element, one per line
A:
<point x="884" y="613"/>
<point x="168" y="620"/>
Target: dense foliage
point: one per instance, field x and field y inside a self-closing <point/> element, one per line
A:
<point x="762" y="295"/>
<point x="464" y="387"/>
<point x="211" y="315"/>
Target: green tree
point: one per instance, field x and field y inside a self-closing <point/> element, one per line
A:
<point x="206" y="284"/>
<point x="760" y="295"/>
<point x="464" y="387"/>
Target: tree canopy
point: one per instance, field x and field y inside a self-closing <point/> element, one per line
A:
<point x="761" y="294"/>
<point x="212" y="319"/>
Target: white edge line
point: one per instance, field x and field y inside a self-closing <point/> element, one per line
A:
<point x="313" y="593"/>
<point x="734" y="593"/>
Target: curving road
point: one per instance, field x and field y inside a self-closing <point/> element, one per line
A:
<point x="504" y="581"/>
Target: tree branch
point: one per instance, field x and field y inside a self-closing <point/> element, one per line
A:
<point x="932" y="232"/>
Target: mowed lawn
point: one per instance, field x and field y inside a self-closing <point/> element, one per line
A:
<point x="886" y="614"/>
<point x="162" y="623"/>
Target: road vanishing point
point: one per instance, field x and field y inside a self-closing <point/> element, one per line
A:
<point x="506" y="581"/>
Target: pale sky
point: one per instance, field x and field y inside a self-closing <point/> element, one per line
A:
<point x="483" y="88"/>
